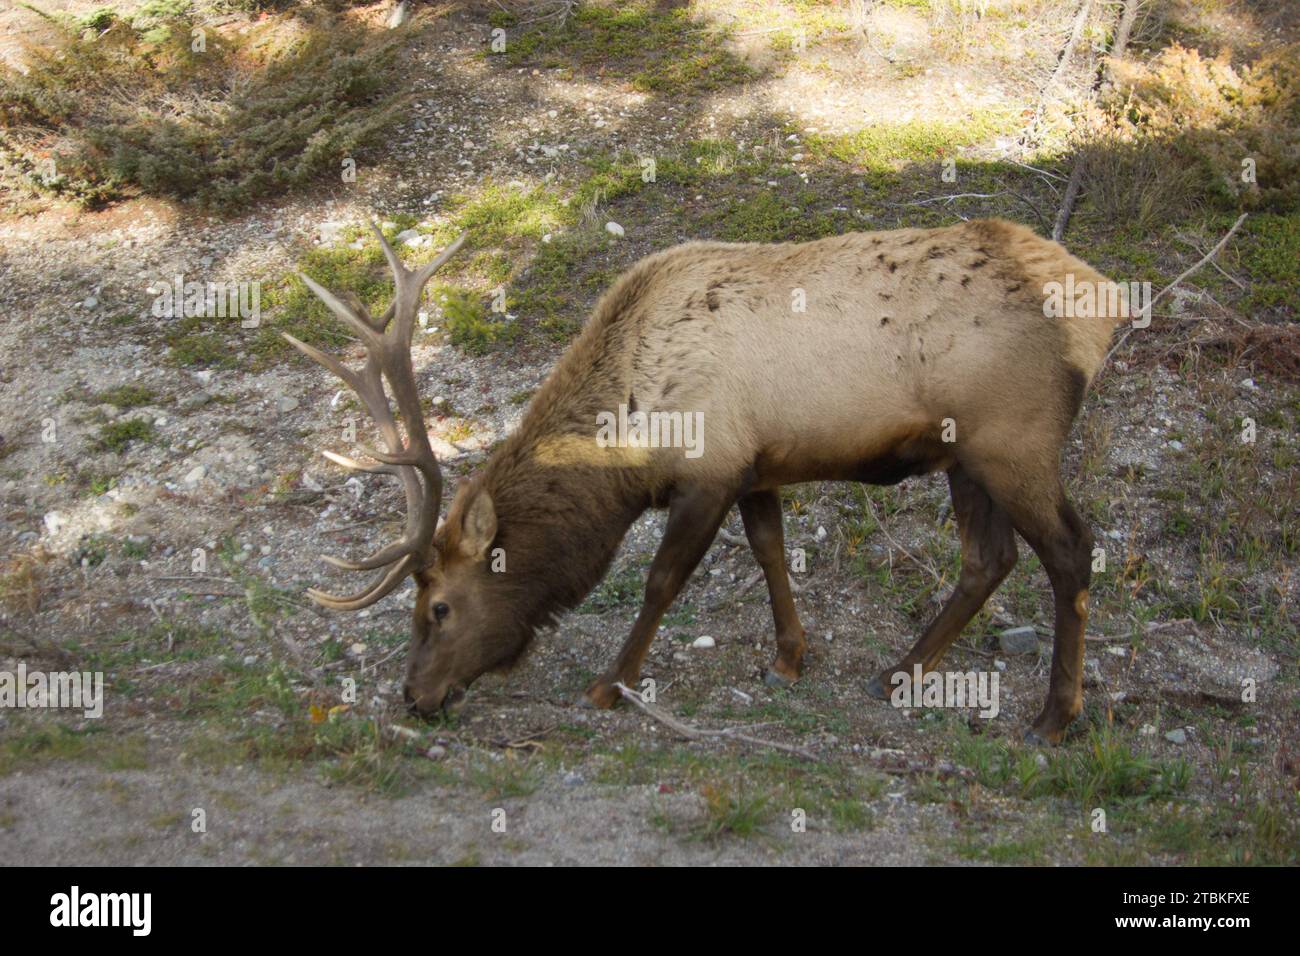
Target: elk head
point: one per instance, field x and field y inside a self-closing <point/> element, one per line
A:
<point x="460" y="628"/>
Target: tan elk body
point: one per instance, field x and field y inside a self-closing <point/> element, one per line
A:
<point x="863" y="357"/>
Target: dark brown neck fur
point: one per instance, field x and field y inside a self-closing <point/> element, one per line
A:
<point x="560" y="522"/>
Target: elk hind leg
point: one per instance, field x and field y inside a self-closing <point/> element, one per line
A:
<point x="988" y="553"/>
<point x="1064" y="545"/>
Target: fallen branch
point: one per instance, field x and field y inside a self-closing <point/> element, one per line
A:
<point x="700" y="733"/>
<point x="1187" y="272"/>
<point x="1203" y="260"/>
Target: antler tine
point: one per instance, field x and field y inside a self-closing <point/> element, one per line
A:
<point x="384" y="469"/>
<point x="426" y="271"/>
<point x="358" y="324"/>
<point x="364" y="598"/>
<point x="388" y="358"/>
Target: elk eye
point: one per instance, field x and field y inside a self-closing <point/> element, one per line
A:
<point x="440" y="611"/>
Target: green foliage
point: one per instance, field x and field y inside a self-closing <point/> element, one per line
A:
<point x="118" y="435"/>
<point x="665" y="51"/>
<point x="470" y="326"/>
<point x="886" y="146"/>
<point x="126" y="396"/>
<point x="1271" y="254"/>
<point x="1217" y="120"/>
<point x="245" y="116"/>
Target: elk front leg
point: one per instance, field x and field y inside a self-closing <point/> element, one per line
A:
<point x="761" y="512"/>
<point x="694" y="516"/>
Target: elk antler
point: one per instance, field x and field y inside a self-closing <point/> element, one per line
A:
<point x="388" y="356"/>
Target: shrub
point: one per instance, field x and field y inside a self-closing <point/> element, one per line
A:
<point x="1208" y="117"/>
<point x="243" y="116"/>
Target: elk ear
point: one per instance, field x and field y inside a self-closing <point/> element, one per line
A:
<point x="478" y="526"/>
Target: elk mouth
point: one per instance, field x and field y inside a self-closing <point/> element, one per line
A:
<point x="429" y="706"/>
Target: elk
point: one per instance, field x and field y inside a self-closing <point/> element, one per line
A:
<point x="916" y="350"/>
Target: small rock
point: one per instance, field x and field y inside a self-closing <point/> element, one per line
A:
<point x="1176" y="736"/>
<point x="196" y="474"/>
<point x="704" y="643"/>
<point x="401" y="13"/>
<point x="53" y="521"/>
<point x="1147" y="730"/>
<point x="436" y="752"/>
<point x="614" y="229"/>
<point x="358" y="649"/>
<point x="999" y="665"/>
<point x="573" y="779"/>
<point x="1019" y="640"/>
<point x="90" y="303"/>
<point x="194" y="400"/>
<point x="250" y="660"/>
<point x="285" y="403"/>
<point x="407" y="236"/>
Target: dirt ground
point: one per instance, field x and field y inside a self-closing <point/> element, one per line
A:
<point x="172" y="554"/>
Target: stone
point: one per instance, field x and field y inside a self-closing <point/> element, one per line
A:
<point x="1019" y="640"/>
<point x="704" y="643"/>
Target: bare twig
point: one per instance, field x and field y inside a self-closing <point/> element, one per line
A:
<point x="1203" y="260"/>
<point x="699" y="733"/>
<point x="923" y="565"/>
<point x="1187" y="272"/>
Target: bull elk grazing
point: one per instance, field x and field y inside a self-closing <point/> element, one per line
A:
<point x="907" y="337"/>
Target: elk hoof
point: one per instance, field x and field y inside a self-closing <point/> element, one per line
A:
<point x="600" y="696"/>
<point x="774" y="678"/>
<point x="1035" y="739"/>
<point x="876" y="688"/>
